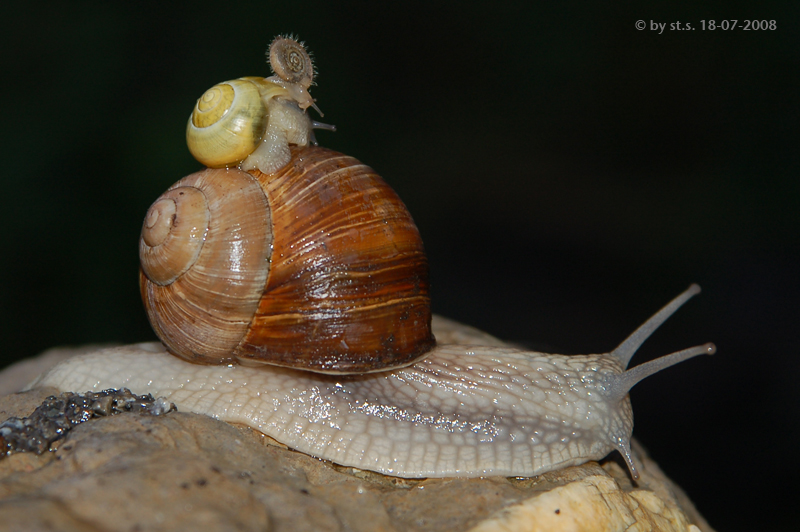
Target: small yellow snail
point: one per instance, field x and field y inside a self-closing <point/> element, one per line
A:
<point x="250" y="122"/>
<point x="316" y="266"/>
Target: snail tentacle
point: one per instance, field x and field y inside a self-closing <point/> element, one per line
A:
<point x="625" y="351"/>
<point x="623" y="383"/>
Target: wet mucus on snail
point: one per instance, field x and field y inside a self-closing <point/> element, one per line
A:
<point x="294" y="298"/>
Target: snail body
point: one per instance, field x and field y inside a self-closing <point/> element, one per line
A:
<point x="462" y="411"/>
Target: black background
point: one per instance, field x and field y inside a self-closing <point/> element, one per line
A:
<point x="569" y="174"/>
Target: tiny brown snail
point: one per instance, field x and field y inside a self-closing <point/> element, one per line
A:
<point x="316" y="266"/>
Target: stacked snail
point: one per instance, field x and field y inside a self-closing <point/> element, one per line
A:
<point x="250" y="122"/>
<point x="310" y="260"/>
<point x="287" y="254"/>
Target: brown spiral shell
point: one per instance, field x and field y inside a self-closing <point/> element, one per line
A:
<point x="318" y="266"/>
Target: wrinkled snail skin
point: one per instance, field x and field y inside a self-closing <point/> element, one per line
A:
<point x="462" y="411"/>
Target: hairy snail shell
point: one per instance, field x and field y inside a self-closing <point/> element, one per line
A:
<point x="290" y="61"/>
<point x="253" y="266"/>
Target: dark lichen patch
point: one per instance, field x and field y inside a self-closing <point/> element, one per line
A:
<point x="52" y="420"/>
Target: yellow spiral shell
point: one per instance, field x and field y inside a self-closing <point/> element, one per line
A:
<point x="227" y="123"/>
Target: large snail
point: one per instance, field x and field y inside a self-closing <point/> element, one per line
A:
<point x="315" y="265"/>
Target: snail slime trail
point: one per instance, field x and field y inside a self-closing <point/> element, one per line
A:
<point x="289" y="286"/>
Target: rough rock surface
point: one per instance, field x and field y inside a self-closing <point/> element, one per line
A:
<point x="183" y="471"/>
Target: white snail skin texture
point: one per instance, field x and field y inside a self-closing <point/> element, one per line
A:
<point x="464" y="411"/>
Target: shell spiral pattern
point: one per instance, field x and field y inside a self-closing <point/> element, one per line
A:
<point x="318" y="266"/>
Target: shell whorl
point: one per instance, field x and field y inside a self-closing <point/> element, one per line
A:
<point x="219" y="239"/>
<point x="227" y="123"/>
<point x="173" y="234"/>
